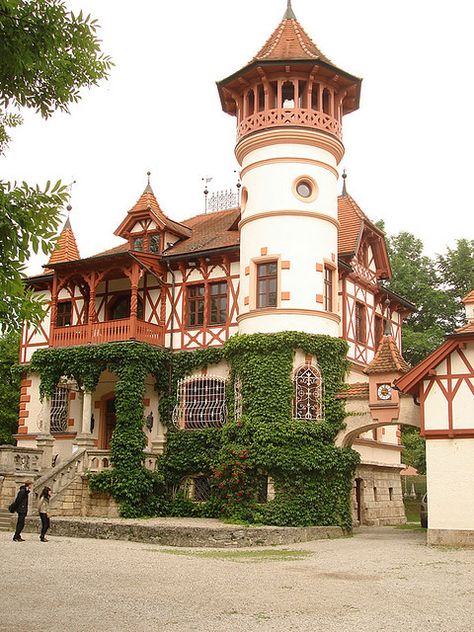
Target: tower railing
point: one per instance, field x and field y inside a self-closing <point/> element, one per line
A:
<point x="298" y="117"/>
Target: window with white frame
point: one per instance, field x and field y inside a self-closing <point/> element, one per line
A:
<point x="201" y="403"/>
<point x="308" y="393"/>
<point x="59" y="409"/>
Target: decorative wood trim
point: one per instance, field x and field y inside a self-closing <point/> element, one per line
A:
<point x="288" y="310"/>
<point x="284" y="213"/>
<point x="312" y="137"/>
<point x="289" y="160"/>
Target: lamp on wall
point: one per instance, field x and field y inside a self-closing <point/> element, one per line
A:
<point x="149" y="421"/>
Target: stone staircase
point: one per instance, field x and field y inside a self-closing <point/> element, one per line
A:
<point x="5" y="520"/>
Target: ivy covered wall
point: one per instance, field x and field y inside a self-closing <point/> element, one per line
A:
<point x="312" y="478"/>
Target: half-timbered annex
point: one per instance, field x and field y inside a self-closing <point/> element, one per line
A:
<point x="443" y="385"/>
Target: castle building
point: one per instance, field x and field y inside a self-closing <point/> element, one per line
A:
<point x="293" y="256"/>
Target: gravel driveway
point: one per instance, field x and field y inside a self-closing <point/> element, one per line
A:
<point x="383" y="579"/>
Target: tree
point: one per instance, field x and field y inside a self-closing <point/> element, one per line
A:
<point x="9" y="387"/>
<point x="47" y="54"/>
<point x="456" y="271"/>
<point x="415" y="277"/>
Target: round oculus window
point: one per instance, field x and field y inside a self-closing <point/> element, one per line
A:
<point x="304" y="188"/>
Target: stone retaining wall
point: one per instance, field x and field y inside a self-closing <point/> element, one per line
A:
<point x="450" y="537"/>
<point x="186" y="536"/>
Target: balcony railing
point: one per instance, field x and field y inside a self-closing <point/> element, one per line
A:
<point x="289" y="117"/>
<point x="109" y="331"/>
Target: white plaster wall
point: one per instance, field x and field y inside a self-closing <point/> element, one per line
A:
<point x="436" y="408"/>
<point x="450" y="480"/>
<point x="304" y="241"/>
<point x="375" y="454"/>
<point x="262" y="323"/>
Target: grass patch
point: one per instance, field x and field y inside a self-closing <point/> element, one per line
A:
<point x="412" y="509"/>
<point x="410" y="526"/>
<point x="241" y="556"/>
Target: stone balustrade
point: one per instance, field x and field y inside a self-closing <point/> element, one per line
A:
<point x="20" y="461"/>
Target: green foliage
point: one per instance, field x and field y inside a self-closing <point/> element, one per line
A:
<point x="29" y="218"/>
<point x="47" y="54"/>
<point x="414" y="452"/>
<point x="436" y="285"/>
<point x="9" y="387"/>
<point x="312" y="477"/>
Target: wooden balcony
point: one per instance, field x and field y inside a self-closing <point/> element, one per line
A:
<point x="108" y="331"/>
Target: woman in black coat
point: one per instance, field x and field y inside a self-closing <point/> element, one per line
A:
<point x="20" y="505"/>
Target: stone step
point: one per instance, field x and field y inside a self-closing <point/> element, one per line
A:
<point x="5" y="520"/>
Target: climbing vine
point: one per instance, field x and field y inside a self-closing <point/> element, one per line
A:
<point x="311" y="477"/>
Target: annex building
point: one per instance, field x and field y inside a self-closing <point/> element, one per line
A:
<point x="297" y="255"/>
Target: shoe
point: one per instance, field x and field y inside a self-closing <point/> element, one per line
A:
<point x="43" y="540"/>
<point x="18" y="540"/>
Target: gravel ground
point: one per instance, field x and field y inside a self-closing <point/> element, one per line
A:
<point x="381" y="580"/>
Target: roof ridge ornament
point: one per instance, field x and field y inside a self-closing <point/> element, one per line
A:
<point x="148" y="188"/>
<point x="289" y="13"/>
<point x="344" y="176"/>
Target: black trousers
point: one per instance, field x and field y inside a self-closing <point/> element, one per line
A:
<point x="44" y="524"/>
<point x="20" y="523"/>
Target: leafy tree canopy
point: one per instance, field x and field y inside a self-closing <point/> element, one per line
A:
<point x="436" y="285"/>
<point x="9" y="387"/>
<point x="47" y="54"/>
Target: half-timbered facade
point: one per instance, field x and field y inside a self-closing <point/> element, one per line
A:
<point x="443" y="385"/>
<point x="293" y="256"/>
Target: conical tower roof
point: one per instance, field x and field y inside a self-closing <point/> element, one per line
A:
<point x="388" y="358"/>
<point x="66" y="247"/>
<point x="289" y="41"/>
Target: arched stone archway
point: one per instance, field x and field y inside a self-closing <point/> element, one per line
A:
<point x="360" y="418"/>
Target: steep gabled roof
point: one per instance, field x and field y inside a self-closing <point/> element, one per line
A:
<point x="388" y="358"/>
<point x="147" y="204"/>
<point x="66" y="247"/>
<point x="352" y="224"/>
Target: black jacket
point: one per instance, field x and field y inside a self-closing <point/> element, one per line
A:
<point x="21" y="500"/>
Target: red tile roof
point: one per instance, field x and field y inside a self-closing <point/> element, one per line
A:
<point x="289" y="41"/>
<point x="469" y="298"/>
<point x="66" y="247"/>
<point x="388" y="358"/>
<point x="357" y="390"/>
<point x="210" y="231"/>
<point x="466" y="329"/>
<point x="147" y="202"/>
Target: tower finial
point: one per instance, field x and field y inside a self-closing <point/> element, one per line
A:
<point x="344" y="176"/>
<point x="289" y="13"/>
<point x="388" y="327"/>
<point x="148" y="188"/>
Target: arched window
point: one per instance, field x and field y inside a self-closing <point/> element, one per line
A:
<point x="201" y="403"/>
<point x="326" y="101"/>
<point x="250" y="102"/>
<point x="288" y="95"/>
<point x="237" y="398"/>
<point x="308" y="393"/>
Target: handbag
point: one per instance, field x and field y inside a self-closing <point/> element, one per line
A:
<point x="12" y="507"/>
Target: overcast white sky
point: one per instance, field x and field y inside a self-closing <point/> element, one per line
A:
<point x="408" y="148"/>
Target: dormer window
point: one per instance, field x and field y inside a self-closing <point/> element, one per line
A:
<point x="137" y="244"/>
<point x="154" y="244"/>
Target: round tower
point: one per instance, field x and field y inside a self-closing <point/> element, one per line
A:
<point x="289" y="102"/>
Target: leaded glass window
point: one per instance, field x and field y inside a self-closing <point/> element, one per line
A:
<point x="308" y="400"/>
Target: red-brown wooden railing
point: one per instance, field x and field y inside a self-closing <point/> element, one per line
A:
<point x="109" y="331"/>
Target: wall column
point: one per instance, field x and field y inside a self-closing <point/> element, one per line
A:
<point x="85" y="439"/>
<point x="44" y="441"/>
